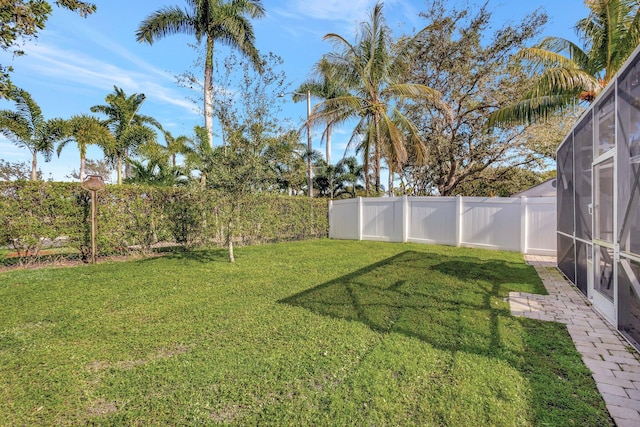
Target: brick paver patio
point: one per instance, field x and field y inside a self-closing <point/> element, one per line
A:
<point x="615" y="365"/>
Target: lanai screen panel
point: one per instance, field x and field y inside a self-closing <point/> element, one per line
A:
<point x="565" y="187"/>
<point x="565" y="247"/>
<point x="583" y="255"/>
<point x="629" y="299"/>
<point x="605" y="123"/>
<point x="628" y="165"/>
<point x="566" y="257"/>
<point x="603" y="190"/>
<point x="583" y="148"/>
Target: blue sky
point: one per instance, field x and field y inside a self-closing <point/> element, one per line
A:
<point x="76" y="62"/>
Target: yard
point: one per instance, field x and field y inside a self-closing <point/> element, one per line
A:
<point x="306" y="333"/>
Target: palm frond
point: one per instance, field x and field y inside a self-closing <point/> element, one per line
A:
<point x="542" y="58"/>
<point x="411" y="91"/>
<point x="164" y="22"/>
<point x="15" y="127"/>
<point x="564" y="80"/>
<point x="531" y="110"/>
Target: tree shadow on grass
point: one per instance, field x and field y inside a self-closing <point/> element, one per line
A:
<point x="456" y="304"/>
<point x="420" y="296"/>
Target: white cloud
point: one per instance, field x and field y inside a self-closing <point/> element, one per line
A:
<point x="84" y="70"/>
<point x="10" y="151"/>
<point x="313" y="19"/>
<point x="121" y="51"/>
<point x="352" y="11"/>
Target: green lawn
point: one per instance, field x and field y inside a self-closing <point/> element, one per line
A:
<point x="306" y="333"/>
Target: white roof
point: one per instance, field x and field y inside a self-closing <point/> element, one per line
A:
<point x="545" y="189"/>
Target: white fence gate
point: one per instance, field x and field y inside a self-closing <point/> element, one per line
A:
<point x="522" y="224"/>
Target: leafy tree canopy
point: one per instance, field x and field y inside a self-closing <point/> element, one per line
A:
<point x="475" y="77"/>
<point x="502" y="182"/>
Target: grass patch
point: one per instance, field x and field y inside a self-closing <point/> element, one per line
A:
<point x="304" y="333"/>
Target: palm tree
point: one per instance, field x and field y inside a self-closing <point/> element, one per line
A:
<point x="86" y="130"/>
<point x="128" y="127"/>
<point x="567" y="73"/>
<point x="285" y="156"/>
<point x="175" y="146"/>
<point x="199" y="155"/>
<point x="353" y="173"/>
<point x="26" y="127"/>
<point x="156" y="172"/>
<point x="369" y="70"/>
<point x="215" y="20"/>
<point x="326" y="85"/>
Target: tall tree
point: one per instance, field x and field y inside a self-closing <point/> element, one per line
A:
<point x="85" y="130"/>
<point x="129" y="128"/>
<point x="369" y="69"/>
<point x="567" y="73"/>
<point x="27" y="127"/>
<point x="220" y="21"/>
<point x="475" y="78"/>
<point x="325" y="85"/>
<point x="21" y="20"/>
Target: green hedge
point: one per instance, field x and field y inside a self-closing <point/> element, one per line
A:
<point x="135" y="218"/>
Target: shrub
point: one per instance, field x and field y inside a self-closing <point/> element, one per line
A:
<point x="135" y="218"/>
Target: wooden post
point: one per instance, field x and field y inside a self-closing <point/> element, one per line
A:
<point x="94" y="227"/>
<point x="93" y="183"/>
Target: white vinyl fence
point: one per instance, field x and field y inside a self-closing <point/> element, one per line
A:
<point x="522" y="224"/>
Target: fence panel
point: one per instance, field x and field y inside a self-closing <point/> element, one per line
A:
<point x="541" y="224"/>
<point x="382" y="219"/>
<point x="343" y="219"/>
<point x="432" y="220"/>
<point x="492" y="223"/>
<point x="526" y="225"/>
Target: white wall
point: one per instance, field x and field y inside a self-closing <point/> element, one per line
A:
<point x="526" y="225"/>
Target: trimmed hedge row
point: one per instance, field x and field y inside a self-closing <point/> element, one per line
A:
<point x="135" y="218"/>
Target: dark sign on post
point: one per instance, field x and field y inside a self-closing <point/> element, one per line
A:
<point x="93" y="183"/>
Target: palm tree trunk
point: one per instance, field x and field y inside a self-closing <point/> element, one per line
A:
<point x="119" y="169"/>
<point x="329" y="145"/>
<point x="127" y="165"/>
<point x="367" y="178"/>
<point x="81" y="168"/>
<point x="34" y="166"/>
<point x="377" y="154"/>
<point x="331" y="179"/>
<point x="390" y="181"/>
<point x="208" y="91"/>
